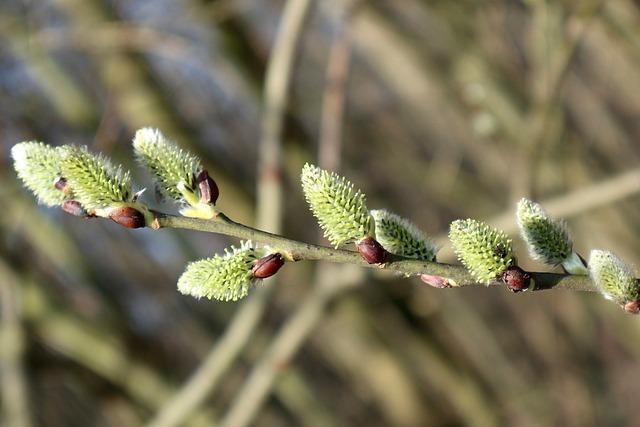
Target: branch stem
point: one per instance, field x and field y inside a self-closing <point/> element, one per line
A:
<point x="300" y="251"/>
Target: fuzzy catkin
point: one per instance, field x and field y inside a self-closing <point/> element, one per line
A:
<point x="401" y="237"/>
<point x="547" y="239"/>
<point x="340" y="209"/>
<point x="485" y="251"/>
<point x="613" y="277"/>
<point x="38" y="166"/>
<point x="224" y="278"/>
<point x="170" y="165"/>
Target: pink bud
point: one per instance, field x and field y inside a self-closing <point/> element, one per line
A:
<point x="128" y="217"/>
<point x="208" y="189"/>
<point x="632" y="307"/>
<point x="74" y="208"/>
<point x="267" y="266"/>
<point x="372" y="251"/>
<point x="435" y="281"/>
<point x="516" y="279"/>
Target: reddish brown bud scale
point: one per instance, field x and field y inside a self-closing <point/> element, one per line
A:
<point x="632" y="307"/>
<point x="128" y="217"/>
<point x="267" y="266"/>
<point x="435" y="281"/>
<point x="516" y="279"/>
<point x="208" y="188"/>
<point x="74" y="208"/>
<point x="372" y="251"/>
<point x="60" y="183"/>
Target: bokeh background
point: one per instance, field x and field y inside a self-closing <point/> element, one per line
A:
<point x="438" y="110"/>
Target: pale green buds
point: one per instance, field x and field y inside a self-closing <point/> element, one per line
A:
<point x="176" y="172"/>
<point x="485" y="251"/>
<point x="38" y="166"/>
<point x="96" y="183"/>
<point x="340" y="210"/>
<point x="614" y="279"/>
<point x="225" y="278"/>
<point x="401" y="237"/>
<point x="547" y="238"/>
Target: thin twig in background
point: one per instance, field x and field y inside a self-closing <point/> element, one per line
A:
<point x="546" y="86"/>
<point x="326" y="287"/>
<point x="269" y="216"/>
<point x="275" y="105"/>
<point x="13" y="384"/>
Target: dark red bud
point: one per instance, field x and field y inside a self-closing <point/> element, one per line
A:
<point x="516" y="279"/>
<point x="74" y="208"/>
<point x="267" y="266"/>
<point x="632" y="307"/>
<point x="208" y="189"/>
<point x="435" y="281"/>
<point x="372" y="251"/>
<point x="128" y="217"/>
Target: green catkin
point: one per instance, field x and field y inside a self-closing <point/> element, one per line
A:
<point x="401" y="237"/>
<point x="171" y="166"/>
<point x="486" y="252"/>
<point x="613" y="277"/>
<point x="38" y="166"/>
<point x="340" y="210"/>
<point x="97" y="184"/>
<point x="224" y="278"/>
<point x="547" y="239"/>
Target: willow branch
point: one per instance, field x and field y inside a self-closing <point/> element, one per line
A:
<point x="300" y="251"/>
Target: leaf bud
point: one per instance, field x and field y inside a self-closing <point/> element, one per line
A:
<point x="127" y="217"/>
<point x="267" y="266"/>
<point x="372" y="251"/>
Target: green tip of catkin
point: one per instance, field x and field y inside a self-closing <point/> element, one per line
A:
<point x="96" y="182"/>
<point x="486" y="252"/>
<point x="401" y="237"/>
<point x="173" y="168"/>
<point x="547" y="239"/>
<point x="38" y="166"/>
<point x="340" y="209"/>
<point x="223" y="278"/>
<point x="613" y="278"/>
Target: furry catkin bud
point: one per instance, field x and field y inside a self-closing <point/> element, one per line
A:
<point x="401" y="237"/>
<point x="267" y="266"/>
<point x="173" y="168"/>
<point x="614" y="279"/>
<point x="96" y="182"/>
<point x="372" y="251"/>
<point x="127" y="217"/>
<point x="340" y="210"/>
<point x="485" y="251"/>
<point x="516" y="279"/>
<point x="547" y="238"/>
<point x="38" y="166"/>
<point x="208" y="188"/>
<point x="224" y="278"/>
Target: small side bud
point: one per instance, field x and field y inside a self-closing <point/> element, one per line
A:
<point x="516" y="279"/>
<point x="128" y="217"/>
<point x="208" y="188"/>
<point x="74" y="208"/>
<point x="60" y="183"/>
<point x="267" y="266"/>
<point x="436" y="281"/>
<point x="372" y="251"/>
